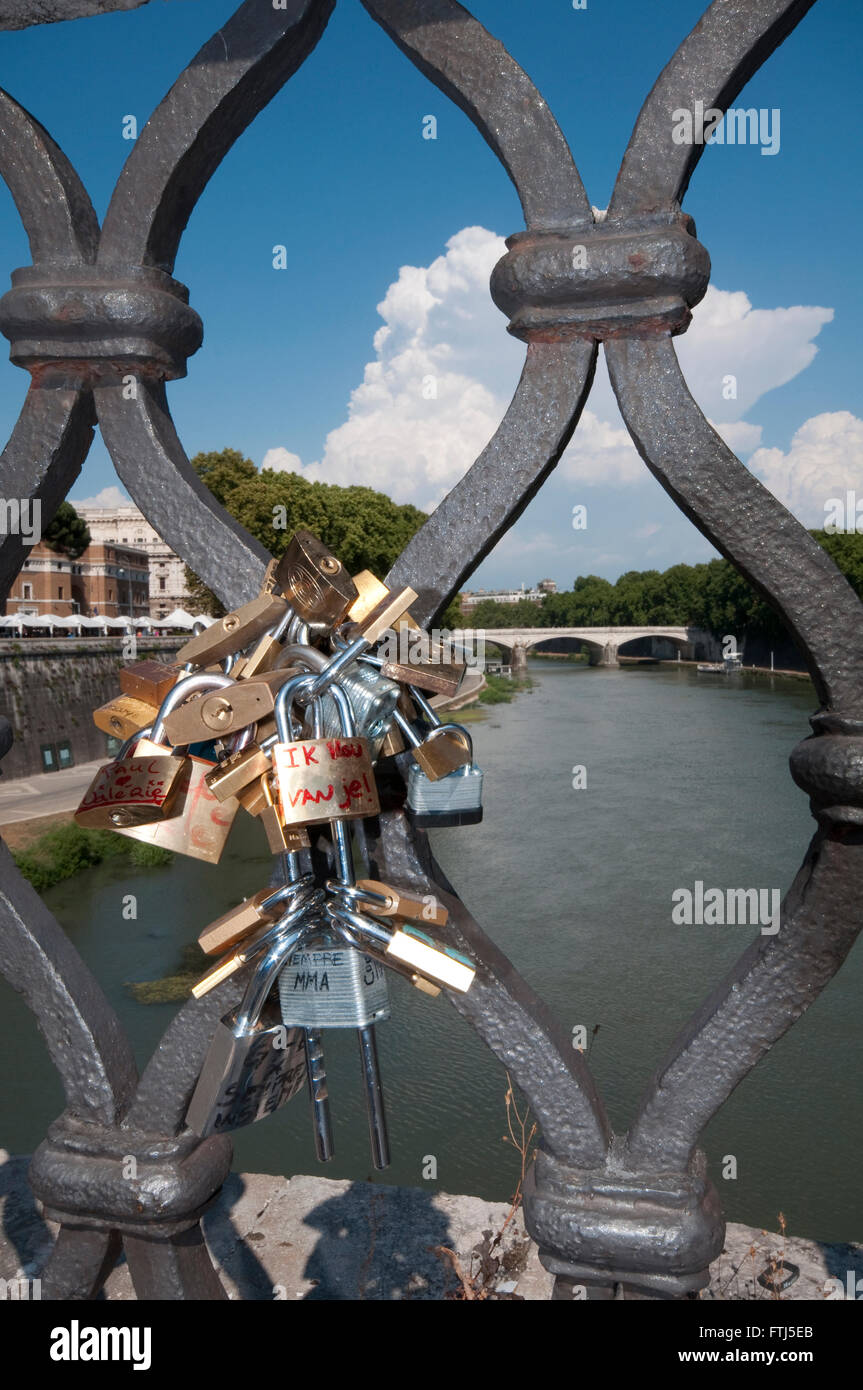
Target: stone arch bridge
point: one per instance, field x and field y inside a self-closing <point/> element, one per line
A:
<point x="604" y="643"/>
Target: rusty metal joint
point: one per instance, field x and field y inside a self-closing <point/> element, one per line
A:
<point x="828" y="766"/>
<point x="658" y="1231"/>
<point x="641" y="277"/>
<point x="119" y="1179"/>
<point x="100" y="321"/>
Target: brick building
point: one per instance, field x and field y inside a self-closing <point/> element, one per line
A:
<point x="128" y="526"/>
<point x="108" y="581"/>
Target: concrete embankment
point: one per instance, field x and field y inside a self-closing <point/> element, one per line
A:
<point x="315" y="1238"/>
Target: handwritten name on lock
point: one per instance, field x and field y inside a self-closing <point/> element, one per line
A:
<point x="142" y="781"/>
<point x="321" y="779"/>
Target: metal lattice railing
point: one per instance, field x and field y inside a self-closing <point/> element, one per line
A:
<point x="99" y="305"/>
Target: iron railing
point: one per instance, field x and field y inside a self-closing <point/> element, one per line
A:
<point x="99" y="306"/>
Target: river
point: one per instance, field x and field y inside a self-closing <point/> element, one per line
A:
<point x="687" y="779"/>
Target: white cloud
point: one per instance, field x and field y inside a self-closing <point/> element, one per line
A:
<point x="108" y="497"/>
<point x="825" y="459"/>
<point x="443" y="374"/>
<point x="760" y="348"/>
<point x="739" y="435"/>
<point x="282" y="461"/>
<point x="445" y="370"/>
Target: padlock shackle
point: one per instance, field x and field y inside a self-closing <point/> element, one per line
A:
<point x="457" y="729"/>
<point x="125" y="749"/>
<point x="364" y="925"/>
<point x="428" y="710"/>
<point x="282" y="708"/>
<point x="265" y="973"/>
<point x="327" y="669"/>
<point x="177" y="695"/>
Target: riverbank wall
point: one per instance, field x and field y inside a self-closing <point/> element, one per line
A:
<point x="49" y="689"/>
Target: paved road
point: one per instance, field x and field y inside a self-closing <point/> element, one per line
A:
<point x="45" y="794"/>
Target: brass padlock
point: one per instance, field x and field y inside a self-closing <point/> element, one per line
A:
<point x="233" y="632"/>
<point x="124" y="716"/>
<point x="239" y="921"/>
<point x="224" y="711"/>
<point x="252" y="798"/>
<point x="441" y="964"/>
<point x="136" y="790"/>
<point x="382" y="900"/>
<point x="384" y="616"/>
<point x="231" y="776"/>
<point x="281" y="837"/>
<point x="231" y="962"/>
<point x="393" y="743"/>
<point x="149" y="681"/>
<point x="320" y="779"/>
<point x="441" y="752"/>
<point x="314" y="581"/>
<point x="372" y="592"/>
<point x="199" y="824"/>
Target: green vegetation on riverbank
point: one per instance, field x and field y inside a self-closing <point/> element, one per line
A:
<point x="176" y="988"/>
<point x="67" y="849"/>
<point x="500" y="690"/>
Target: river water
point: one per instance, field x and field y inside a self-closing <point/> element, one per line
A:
<point x="687" y="779"/>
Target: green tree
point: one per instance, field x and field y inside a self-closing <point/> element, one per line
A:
<point x="365" y="528"/>
<point x="67" y="532"/>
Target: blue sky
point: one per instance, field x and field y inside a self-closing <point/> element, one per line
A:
<point x="337" y="171"/>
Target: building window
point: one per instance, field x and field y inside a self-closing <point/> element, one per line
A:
<point x="110" y="595"/>
<point x="59" y="590"/>
<point x="56" y="755"/>
<point x="49" y="757"/>
<point x="28" y="590"/>
<point x="161" y="581"/>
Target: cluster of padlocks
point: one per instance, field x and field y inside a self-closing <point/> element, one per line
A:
<point x="283" y="709"/>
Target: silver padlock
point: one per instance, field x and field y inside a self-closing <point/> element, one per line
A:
<point x="255" y="1064"/>
<point x="452" y="800"/>
<point x="330" y="985"/>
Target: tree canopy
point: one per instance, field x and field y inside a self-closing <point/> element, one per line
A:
<point x="713" y="596"/>
<point x="365" y="528"/>
<point x="67" y="532"/>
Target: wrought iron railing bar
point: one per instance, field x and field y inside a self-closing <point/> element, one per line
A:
<point x="53" y="204"/>
<point x="730" y="42"/>
<point x="42" y="459"/>
<point x="79" y="1263"/>
<point x="225" y="86"/>
<point x="151" y="461"/>
<point x="487" y="501"/>
<point x="739" y="515"/>
<point x="473" y="69"/>
<point x="83" y="1034"/>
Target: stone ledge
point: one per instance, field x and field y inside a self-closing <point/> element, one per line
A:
<point x="316" y="1238"/>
